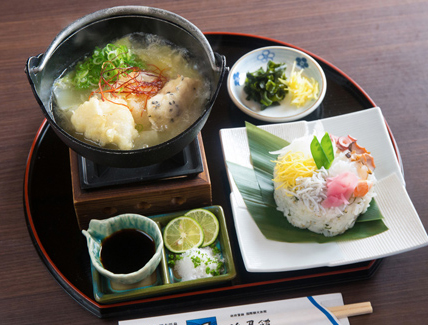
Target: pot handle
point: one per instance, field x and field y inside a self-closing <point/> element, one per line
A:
<point x="123" y="11"/>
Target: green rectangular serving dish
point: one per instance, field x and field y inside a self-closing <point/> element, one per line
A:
<point x="162" y="282"/>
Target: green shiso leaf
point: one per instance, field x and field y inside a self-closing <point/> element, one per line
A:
<point x="256" y="187"/>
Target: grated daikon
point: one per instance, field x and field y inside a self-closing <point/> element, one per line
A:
<point x="198" y="263"/>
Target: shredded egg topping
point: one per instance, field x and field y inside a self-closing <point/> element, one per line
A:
<point x="291" y="166"/>
<point x="301" y="88"/>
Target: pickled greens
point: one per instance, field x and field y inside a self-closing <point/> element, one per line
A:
<point x="264" y="87"/>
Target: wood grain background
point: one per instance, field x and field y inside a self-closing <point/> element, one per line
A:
<point x="382" y="45"/>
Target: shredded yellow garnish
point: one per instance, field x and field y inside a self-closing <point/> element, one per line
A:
<point x="301" y="88"/>
<point x="291" y="166"/>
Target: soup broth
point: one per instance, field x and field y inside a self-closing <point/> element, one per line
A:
<point x="132" y="107"/>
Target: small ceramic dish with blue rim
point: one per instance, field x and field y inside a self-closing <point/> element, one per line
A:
<point x="284" y="111"/>
<point x="116" y="233"/>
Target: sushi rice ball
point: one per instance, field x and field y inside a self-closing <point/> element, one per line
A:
<point x="324" y="200"/>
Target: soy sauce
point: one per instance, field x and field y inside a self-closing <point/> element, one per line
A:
<point x="126" y="251"/>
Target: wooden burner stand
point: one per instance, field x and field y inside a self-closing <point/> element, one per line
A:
<point x="146" y="198"/>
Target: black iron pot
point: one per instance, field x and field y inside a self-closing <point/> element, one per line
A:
<point x="99" y="28"/>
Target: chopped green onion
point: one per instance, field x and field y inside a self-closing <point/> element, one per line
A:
<point x="112" y="57"/>
<point x="139" y="127"/>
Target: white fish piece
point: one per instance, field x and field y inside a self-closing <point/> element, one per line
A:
<point x="170" y="104"/>
<point x="106" y="122"/>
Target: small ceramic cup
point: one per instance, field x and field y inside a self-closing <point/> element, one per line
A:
<point x="100" y="229"/>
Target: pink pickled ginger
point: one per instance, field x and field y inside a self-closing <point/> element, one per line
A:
<point x="340" y="189"/>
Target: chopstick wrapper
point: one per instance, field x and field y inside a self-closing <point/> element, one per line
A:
<point x="306" y="310"/>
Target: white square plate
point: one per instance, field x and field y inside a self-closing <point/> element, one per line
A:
<point x="405" y="233"/>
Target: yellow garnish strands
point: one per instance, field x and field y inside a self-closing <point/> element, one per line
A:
<point x="301" y="88"/>
<point x="291" y="166"/>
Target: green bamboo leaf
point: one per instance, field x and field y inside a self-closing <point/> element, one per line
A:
<point x="261" y="143"/>
<point x="247" y="182"/>
<point x="372" y="213"/>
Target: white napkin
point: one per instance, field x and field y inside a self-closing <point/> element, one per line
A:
<point x="306" y="310"/>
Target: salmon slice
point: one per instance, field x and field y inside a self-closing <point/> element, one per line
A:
<point x="362" y="188"/>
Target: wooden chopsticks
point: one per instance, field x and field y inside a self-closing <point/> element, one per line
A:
<point x="360" y="308"/>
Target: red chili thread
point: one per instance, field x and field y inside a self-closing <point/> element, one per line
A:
<point x="131" y="83"/>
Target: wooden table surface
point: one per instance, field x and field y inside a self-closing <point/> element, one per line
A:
<point x="382" y="45"/>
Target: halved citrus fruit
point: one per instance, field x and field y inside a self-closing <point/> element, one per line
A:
<point x="208" y="222"/>
<point x="183" y="233"/>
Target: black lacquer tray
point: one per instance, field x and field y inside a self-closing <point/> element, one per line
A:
<point x="53" y="227"/>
